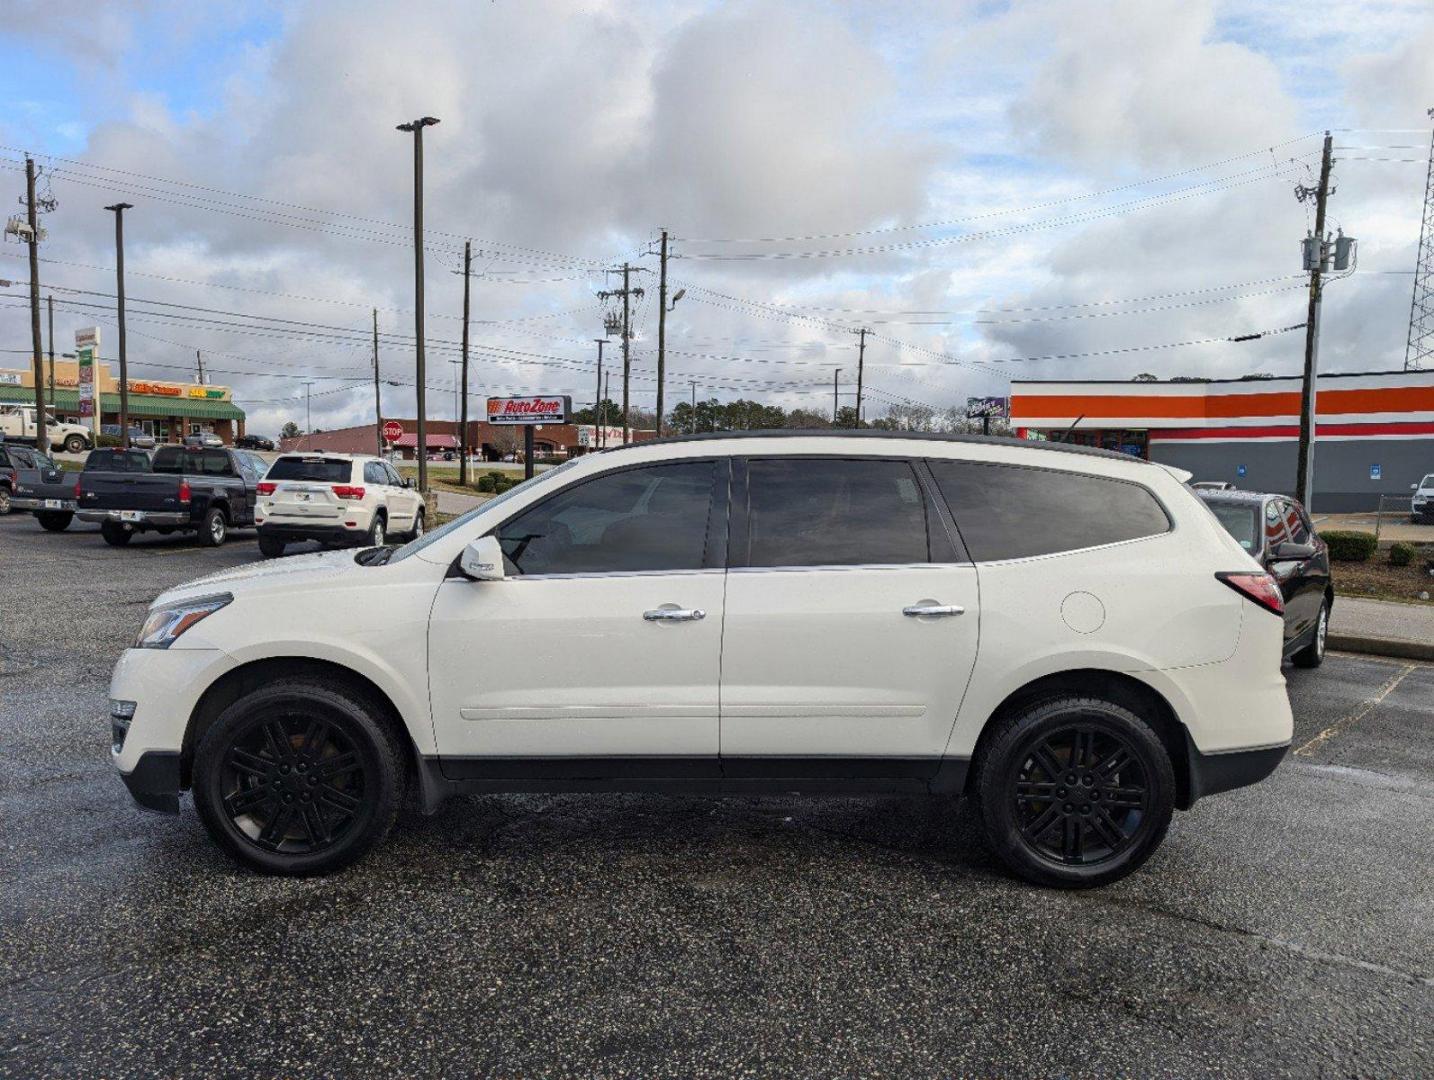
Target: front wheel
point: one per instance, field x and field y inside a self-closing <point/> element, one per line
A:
<point x="214" y="528"/>
<point x="377" y="532"/>
<point x="300" y="777"/>
<point x="1312" y="655"/>
<point x="115" y="535"/>
<point x="1075" y="792"/>
<point x="75" y="444"/>
<point x="54" y="520"/>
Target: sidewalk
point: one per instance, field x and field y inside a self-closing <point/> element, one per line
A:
<point x="1382" y="627"/>
<point x="455" y="502"/>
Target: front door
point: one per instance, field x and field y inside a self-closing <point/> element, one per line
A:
<point x="851" y="627"/>
<point x="603" y="641"/>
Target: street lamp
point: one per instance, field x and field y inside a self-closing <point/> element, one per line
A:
<point x="416" y="127"/>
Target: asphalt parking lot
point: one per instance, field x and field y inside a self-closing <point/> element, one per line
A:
<point x="1282" y="930"/>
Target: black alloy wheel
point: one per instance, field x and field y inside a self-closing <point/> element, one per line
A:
<point x="1075" y="792"/>
<point x="298" y="778"/>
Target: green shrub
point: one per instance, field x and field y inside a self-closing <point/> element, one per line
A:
<point x="107" y="440"/>
<point x="485" y="483"/>
<point x="1349" y="546"/>
<point x="1401" y="554"/>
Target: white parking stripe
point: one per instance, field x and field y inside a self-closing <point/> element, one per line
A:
<point x="1358" y="714"/>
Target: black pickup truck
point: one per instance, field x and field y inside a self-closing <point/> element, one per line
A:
<point x="31" y="481"/>
<point x="186" y="489"/>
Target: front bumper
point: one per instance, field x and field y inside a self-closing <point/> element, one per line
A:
<point x="154" y="781"/>
<point x="142" y="519"/>
<point x="56" y="506"/>
<point x="1424" y="511"/>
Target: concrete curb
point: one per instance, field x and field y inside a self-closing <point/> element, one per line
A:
<point x="1405" y="650"/>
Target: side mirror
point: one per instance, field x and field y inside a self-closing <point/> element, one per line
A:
<point x="482" y="560"/>
<point x="408" y="481"/>
<point x="1289" y="551"/>
<point x="1413" y="487"/>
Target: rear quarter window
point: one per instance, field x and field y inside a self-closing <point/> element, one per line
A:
<point x="1016" y="511"/>
<point x="117" y="461"/>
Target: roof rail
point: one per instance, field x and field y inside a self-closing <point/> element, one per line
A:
<point x="871" y="433"/>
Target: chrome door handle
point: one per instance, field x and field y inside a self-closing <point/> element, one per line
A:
<point x="936" y="610"/>
<point x="672" y="614"/>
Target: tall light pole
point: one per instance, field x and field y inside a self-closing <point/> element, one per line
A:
<point x="836" y="394"/>
<point x="463" y="416"/>
<point x="597" y="402"/>
<point x="308" y="416"/>
<point x="417" y="126"/>
<point x="118" y="209"/>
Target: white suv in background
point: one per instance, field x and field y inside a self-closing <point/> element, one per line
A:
<point x="1422" y="505"/>
<point x="341" y="500"/>
<point x="1066" y="635"/>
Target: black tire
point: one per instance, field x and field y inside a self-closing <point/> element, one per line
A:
<point x="1109" y="822"/>
<point x="54" y="520"/>
<point x="214" y="529"/>
<point x="4" y="500"/>
<point x="271" y="547"/>
<point x="419" y="523"/>
<point x="1312" y="655"/>
<point x="299" y="777"/>
<point x="74" y="444"/>
<point x="377" y="531"/>
<point x="115" y="535"/>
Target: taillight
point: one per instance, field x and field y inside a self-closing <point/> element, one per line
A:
<point x="1261" y="588"/>
<point x="345" y="491"/>
<point x="266" y="487"/>
<point x="80" y="487"/>
<point x="184" y="493"/>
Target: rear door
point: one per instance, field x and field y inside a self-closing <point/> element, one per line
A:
<point x="851" y="622"/>
<point x="304" y="489"/>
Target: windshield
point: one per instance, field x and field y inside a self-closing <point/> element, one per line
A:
<point x="1240" y="522"/>
<point x="1428" y="481"/>
<point x="413" y="547"/>
<point x="319" y="470"/>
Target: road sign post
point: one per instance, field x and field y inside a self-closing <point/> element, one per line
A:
<point x="87" y="354"/>
<point x="529" y="412"/>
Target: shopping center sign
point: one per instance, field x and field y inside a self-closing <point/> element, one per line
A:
<point x="547" y="409"/>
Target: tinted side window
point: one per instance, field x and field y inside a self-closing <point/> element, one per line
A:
<point x="651" y="518"/>
<point x="373" y="474"/>
<point x="1296" y="523"/>
<point x="1013" y="511"/>
<point x="393" y="478"/>
<point x="1275" y="531"/>
<point x="829" y="512"/>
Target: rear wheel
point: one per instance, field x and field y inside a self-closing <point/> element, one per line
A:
<point x="214" y="528"/>
<point x="377" y="532"/>
<point x="54" y="520"/>
<point x="418" y="525"/>
<point x="74" y="444"/>
<point x="298" y="778"/>
<point x="115" y="535"/>
<point x="1075" y="792"/>
<point x="270" y="547"/>
<point x="1312" y="655"/>
<point x="4" y="500"/>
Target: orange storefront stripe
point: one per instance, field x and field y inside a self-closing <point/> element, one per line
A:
<point x="1396" y="399"/>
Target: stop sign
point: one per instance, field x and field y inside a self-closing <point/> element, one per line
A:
<point x="392" y="431"/>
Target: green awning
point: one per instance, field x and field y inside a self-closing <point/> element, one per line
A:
<point x="153" y="405"/>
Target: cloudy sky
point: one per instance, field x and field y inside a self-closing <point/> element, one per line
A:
<point x="1059" y="189"/>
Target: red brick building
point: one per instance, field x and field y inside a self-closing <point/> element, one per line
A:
<point x="489" y="441"/>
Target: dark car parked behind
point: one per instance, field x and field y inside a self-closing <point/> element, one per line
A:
<point x="1276" y="530"/>
<point x="31" y="481"/>
<point x="254" y="442"/>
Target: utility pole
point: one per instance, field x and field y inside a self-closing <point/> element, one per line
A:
<point x="661" y="329"/>
<point x="606" y="397"/>
<point x="118" y="209"/>
<point x="1304" y="471"/>
<point x="308" y="416"/>
<point x="860" y="370"/>
<point x="597" y="401"/>
<point x="627" y="292"/>
<point x="694" y="406"/>
<point x="42" y="432"/>
<point x="417" y="126"/>
<point x="836" y="394"/>
<point x="199" y="363"/>
<point x="377" y="394"/>
<point x="463" y="421"/>
<point x="50" y="309"/>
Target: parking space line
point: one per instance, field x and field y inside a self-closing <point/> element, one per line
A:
<point x="1358" y="714"/>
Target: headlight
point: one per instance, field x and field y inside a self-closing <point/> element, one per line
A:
<point x="165" y="624"/>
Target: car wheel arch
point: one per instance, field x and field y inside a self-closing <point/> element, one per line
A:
<point x="237" y="682"/>
<point x="1117" y="686"/>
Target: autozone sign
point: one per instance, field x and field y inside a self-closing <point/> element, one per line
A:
<point x="529" y="410"/>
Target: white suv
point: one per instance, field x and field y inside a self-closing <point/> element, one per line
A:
<point x="1069" y="636"/>
<point x="338" y="499"/>
<point x="1422" y="504"/>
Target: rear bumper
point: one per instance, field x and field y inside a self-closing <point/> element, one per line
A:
<point x="67" y="506"/>
<point x="154" y="781"/>
<point x="287" y="533"/>
<point x="146" y="519"/>
<point x="1211" y="774"/>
